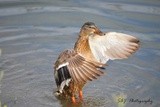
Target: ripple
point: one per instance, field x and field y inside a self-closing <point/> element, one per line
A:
<point x="127" y="7"/>
<point x="12" y="11"/>
<point x="38" y="9"/>
<point x="40" y="32"/>
<point x="26" y="53"/>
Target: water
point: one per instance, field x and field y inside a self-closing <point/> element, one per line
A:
<point x="33" y="33"/>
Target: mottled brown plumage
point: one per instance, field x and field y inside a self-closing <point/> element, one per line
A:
<point x="92" y="50"/>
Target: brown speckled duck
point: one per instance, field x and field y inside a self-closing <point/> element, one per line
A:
<point x="92" y="50"/>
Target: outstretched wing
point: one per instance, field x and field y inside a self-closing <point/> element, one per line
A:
<point x="80" y="69"/>
<point x="112" y="45"/>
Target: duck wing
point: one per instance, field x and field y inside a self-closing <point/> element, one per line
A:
<point x="112" y="45"/>
<point x="76" y="67"/>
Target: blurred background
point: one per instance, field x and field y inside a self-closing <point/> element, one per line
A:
<point x="34" y="32"/>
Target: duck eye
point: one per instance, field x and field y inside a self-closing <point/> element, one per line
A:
<point x="92" y="27"/>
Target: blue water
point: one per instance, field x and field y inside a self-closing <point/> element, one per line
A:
<point x="33" y="33"/>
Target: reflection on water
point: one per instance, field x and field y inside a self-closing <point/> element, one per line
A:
<point x="33" y="33"/>
<point x="89" y="101"/>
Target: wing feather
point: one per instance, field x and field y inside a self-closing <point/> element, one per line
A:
<point x="81" y="77"/>
<point x="92" y="68"/>
<point x="89" y="75"/>
<point x="80" y="69"/>
<point x="112" y="46"/>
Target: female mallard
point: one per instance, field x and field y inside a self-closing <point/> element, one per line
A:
<point x="92" y="50"/>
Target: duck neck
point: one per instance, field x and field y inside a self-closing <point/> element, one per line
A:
<point x="82" y="45"/>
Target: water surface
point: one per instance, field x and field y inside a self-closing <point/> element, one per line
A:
<point x="33" y="33"/>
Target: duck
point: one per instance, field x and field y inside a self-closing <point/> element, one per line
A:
<point x="86" y="61"/>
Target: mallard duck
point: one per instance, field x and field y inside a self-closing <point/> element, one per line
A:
<point x="74" y="67"/>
